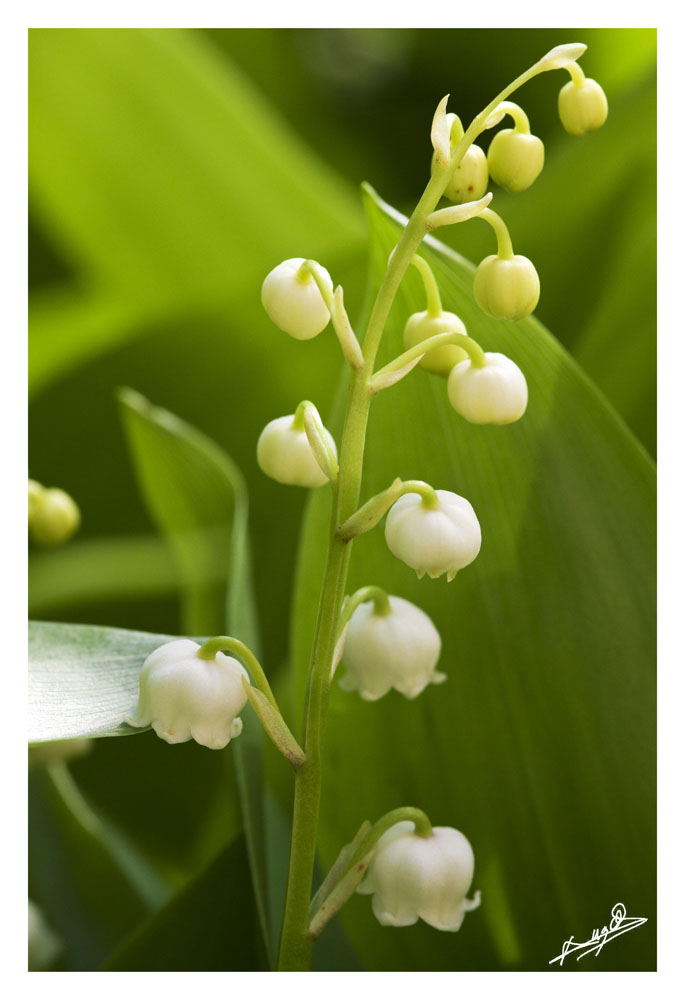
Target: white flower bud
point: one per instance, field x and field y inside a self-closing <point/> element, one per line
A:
<point x="426" y="877"/>
<point x="285" y="454"/>
<point x="44" y="945"/>
<point x="397" y="649"/>
<point x="494" y="394"/>
<point x="433" y="540"/>
<point x="183" y="696"/>
<point x="293" y="300"/>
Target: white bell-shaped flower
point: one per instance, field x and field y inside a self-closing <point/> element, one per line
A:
<point x="44" y="945"/>
<point x="397" y="649"/>
<point x="183" y="696"/>
<point x="433" y="540"/>
<point x="293" y="300"/>
<point x="285" y="454"/>
<point x="426" y="877"/>
<point x="497" y="393"/>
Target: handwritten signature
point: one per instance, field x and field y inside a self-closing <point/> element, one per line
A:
<point x="619" y="924"/>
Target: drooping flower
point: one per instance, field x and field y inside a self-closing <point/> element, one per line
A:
<point x="398" y="648"/>
<point x="496" y="393"/>
<point x="285" y="454"/>
<point x="293" y="300"/>
<point x="583" y="106"/>
<point x="506" y="287"/>
<point x="184" y="696"/>
<point x="515" y="159"/>
<point x="433" y="539"/>
<point x="414" y="877"/>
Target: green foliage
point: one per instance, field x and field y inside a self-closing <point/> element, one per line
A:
<point x="90" y="882"/>
<point x="83" y="679"/>
<point x="210" y="926"/>
<point x="165" y="183"/>
<point x="540" y="746"/>
<point x="156" y="184"/>
<point x="197" y="497"/>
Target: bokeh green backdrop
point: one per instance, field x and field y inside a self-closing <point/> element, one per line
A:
<point x="169" y="171"/>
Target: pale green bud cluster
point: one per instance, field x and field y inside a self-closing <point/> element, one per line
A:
<point x="506" y="288"/>
<point x="53" y="515"/>
<point x="583" y="107"/>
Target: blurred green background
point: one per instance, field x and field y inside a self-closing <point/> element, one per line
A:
<point x="169" y="171"/>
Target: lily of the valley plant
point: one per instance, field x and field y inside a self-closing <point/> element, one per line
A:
<point x="189" y="690"/>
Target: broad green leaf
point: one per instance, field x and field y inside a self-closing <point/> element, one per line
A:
<point x="165" y="179"/>
<point x="540" y="747"/>
<point x="92" y="885"/>
<point x="100" y="569"/>
<point x="210" y="926"/>
<point x="83" y="679"/>
<point x="197" y="497"/>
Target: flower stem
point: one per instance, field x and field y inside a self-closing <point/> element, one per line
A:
<point x="296" y="944"/>
<point x="504" y="248"/>
<point x="433" y="301"/>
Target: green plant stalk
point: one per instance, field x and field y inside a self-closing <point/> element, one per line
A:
<point x="296" y="942"/>
<point x="295" y="951"/>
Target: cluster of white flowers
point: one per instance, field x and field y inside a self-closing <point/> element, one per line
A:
<point x="385" y="642"/>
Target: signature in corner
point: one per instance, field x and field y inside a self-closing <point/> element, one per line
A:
<point x="619" y="924"/>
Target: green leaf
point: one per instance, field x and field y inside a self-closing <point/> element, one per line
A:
<point x="101" y="569"/>
<point x="540" y="747"/>
<point x="197" y="496"/>
<point x="83" y="679"/>
<point x="210" y="926"/>
<point x="90" y="882"/>
<point x="167" y="181"/>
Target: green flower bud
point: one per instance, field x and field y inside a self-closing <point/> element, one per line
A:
<point x="53" y="516"/>
<point x="515" y="159"/>
<point x="35" y="493"/>
<point x="469" y="181"/>
<point x="420" y="326"/>
<point x="506" y="288"/>
<point x="582" y="108"/>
